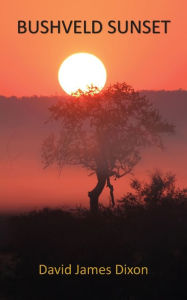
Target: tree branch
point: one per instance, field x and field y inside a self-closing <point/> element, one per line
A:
<point x="110" y="186"/>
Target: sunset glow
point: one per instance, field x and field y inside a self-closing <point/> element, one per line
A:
<point x="80" y="71"/>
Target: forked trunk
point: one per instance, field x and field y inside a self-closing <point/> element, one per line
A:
<point x="95" y="193"/>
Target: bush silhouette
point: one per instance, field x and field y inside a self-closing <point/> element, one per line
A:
<point x="161" y="190"/>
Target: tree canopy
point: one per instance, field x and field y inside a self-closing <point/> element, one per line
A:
<point x="104" y="132"/>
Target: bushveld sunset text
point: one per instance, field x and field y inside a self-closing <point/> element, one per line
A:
<point x="93" y="27"/>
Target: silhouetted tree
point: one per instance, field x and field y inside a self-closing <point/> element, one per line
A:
<point x="104" y="133"/>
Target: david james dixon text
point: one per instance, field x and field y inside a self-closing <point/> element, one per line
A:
<point x="93" y="27"/>
<point x="78" y="270"/>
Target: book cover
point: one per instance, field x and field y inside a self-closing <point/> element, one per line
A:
<point x="93" y="140"/>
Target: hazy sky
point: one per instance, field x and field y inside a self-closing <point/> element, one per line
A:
<point x="30" y="63"/>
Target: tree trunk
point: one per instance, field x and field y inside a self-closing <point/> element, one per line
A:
<point x="95" y="193"/>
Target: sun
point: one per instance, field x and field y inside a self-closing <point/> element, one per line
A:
<point x="81" y="71"/>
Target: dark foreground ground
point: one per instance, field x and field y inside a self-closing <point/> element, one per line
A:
<point x="152" y="236"/>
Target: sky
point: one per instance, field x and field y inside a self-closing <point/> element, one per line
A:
<point x="29" y="66"/>
<point x="30" y="63"/>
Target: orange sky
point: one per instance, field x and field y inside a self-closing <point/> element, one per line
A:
<point x="30" y="63"/>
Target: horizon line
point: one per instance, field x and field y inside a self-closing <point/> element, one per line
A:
<point x="64" y="95"/>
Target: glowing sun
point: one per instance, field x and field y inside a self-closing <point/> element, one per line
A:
<point x="81" y="71"/>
